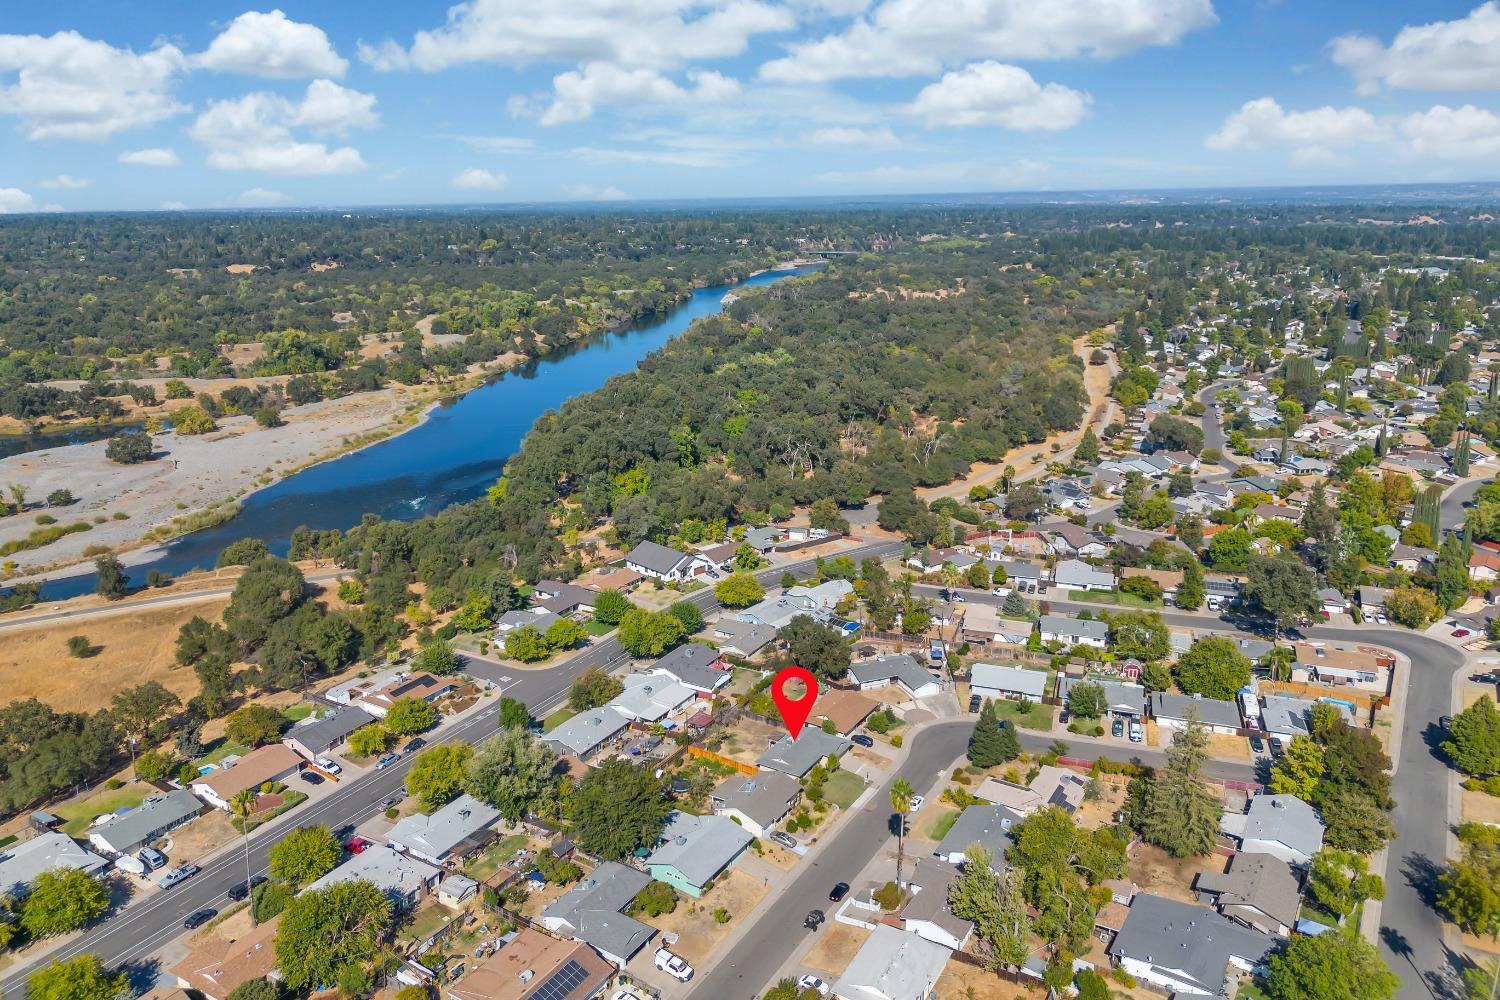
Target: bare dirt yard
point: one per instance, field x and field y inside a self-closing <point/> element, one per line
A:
<point x="693" y="920"/>
<point x="832" y="954"/>
<point x="1154" y="871"/>
<point x="962" y="980"/>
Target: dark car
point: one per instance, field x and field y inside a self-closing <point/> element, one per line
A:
<point x="839" y="892"/>
<point x="975" y="703"/>
<point x="1117" y="728"/>
<point x="1277" y="747"/>
<point x="1489" y="678"/>
<point x="814" y="920"/>
<point x="415" y="745"/>
<point x="1445" y="722"/>
<point x="1257" y="745"/>
<point x="242" y="890"/>
<point x="199" y="917"/>
<point x="311" y="777"/>
<point x="862" y="740"/>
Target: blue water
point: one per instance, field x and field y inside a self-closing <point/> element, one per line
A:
<point x="453" y="457"/>
<point x="20" y="444"/>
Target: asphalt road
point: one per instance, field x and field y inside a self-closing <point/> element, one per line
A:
<point x="1213" y="430"/>
<point x="131" y="937"/>
<point x="777" y="931"/>
<point x="1452" y="512"/>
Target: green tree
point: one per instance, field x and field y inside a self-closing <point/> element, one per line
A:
<point x="901" y="797"/>
<point x="593" y="688"/>
<point x="367" y="741"/>
<point x="739" y="590"/>
<point x="410" y="715"/>
<point x="326" y="935"/>
<point x="153" y="765"/>
<point x="305" y="855"/>
<point x="1283" y="587"/>
<point x="565" y="634"/>
<point x="513" y="772"/>
<point x="1332" y="966"/>
<point x="992" y="741"/>
<point x="513" y="714"/>
<point x="617" y="808"/>
<point x="1229" y="550"/>
<point x="192" y="421"/>
<point x="1016" y="607"/>
<point x="81" y="978"/>
<point x="1214" y="668"/>
<point x="1474" y="738"/>
<point x="476" y="615"/>
<point x="255" y="725"/>
<point x="610" y="606"/>
<point x="1191" y="591"/>
<point x="268" y="591"/>
<point x="62" y="900"/>
<point x="437" y="775"/>
<point x="111" y="581"/>
<point x="128" y="448"/>
<point x="242" y="553"/>
<point x="1182" y="813"/>
<point x="649" y="634"/>
<point x="1411" y="606"/>
<point x="242" y="804"/>
<point x="527" y="644"/>
<point x="1300" y="769"/>
<point x="996" y="905"/>
<point x="1087" y="451"/>
<point x="688" y="613"/>
<point x="1341" y="881"/>
<point x="1087" y="700"/>
<point x="258" y="989"/>
<point x="1140" y="635"/>
<point x="655" y="899"/>
<point x="435" y="656"/>
<point x="1452" y="573"/>
<point x="820" y="648"/>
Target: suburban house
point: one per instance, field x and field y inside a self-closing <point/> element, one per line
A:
<point x="21" y="863"/>
<point x="1339" y="665"/>
<point x="1058" y="786"/>
<point x="1282" y="826"/>
<point x="758" y="802"/>
<point x="1284" y="716"/>
<point x="695" y="665"/>
<point x="422" y="685"/>
<point x="694" y="849"/>
<point x="1484" y="566"/>
<point x="533" y="966"/>
<point x="1257" y="890"/>
<point x="453" y="832"/>
<point x="1175" y="711"/>
<point x="518" y="618"/>
<point x="1167" y="579"/>
<point x="1075" y="574"/>
<point x="845" y="709"/>
<point x="1073" y="631"/>
<point x="315" y="737"/>
<point x="900" y="669"/>
<point x="615" y="578"/>
<point x="158" y="815"/>
<point x="926" y="914"/>
<point x="797" y="757"/>
<point x="662" y="563"/>
<point x="740" y="638"/>
<point x="404" y="880"/>
<point x="1332" y="602"/>
<point x="1372" y="601"/>
<point x="593" y="911"/>
<point x="216" y="968"/>
<point x="892" y="965"/>
<point x="586" y="733"/>
<point x="1183" y="949"/>
<point x="563" y="598"/>
<point x="1075" y="542"/>
<point x="1125" y="700"/>
<point x="1019" y="799"/>
<point x="273" y="762"/>
<point x="989" y="680"/>
<point x="987" y="826"/>
<point x="765" y="539"/>
<point x="651" y="697"/>
<point x="985" y="623"/>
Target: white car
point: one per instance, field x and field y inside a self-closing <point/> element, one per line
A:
<point x="1380" y="619"/>
<point x="673" y="965"/>
<point x="916" y="803"/>
<point x="812" y="982"/>
<point x="327" y="764"/>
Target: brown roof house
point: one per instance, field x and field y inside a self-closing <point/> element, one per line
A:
<point x="217" y="968"/>
<point x="534" y="966"/>
<point x="845" y="709"/>
<point x="272" y="762"/>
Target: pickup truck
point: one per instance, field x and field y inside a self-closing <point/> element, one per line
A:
<point x="673" y="965"/>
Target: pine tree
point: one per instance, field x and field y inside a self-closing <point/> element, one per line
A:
<point x="1452" y="573"/>
<point x="1087" y="451"/>
<point x="1428" y="508"/>
<point x="1015" y="606"/>
<point x="1461" y="456"/>
<point x="991" y="742"/>
<point x="1190" y="592"/>
<point x="1182" y="813"/>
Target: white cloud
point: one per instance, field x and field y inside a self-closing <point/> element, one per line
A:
<point x="155" y="157"/>
<point x="272" y="45"/>
<point x="1453" y="133"/>
<point x="479" y="179"/>
<point x="992" y="93"/>
<point x="946" y="175"/>
<point x="14" y="200"/>
<point x="258" y="197"/>
<point x="681" y="153"/>
<point x="173" y="206"/>
<point x="254" y="132"/>
<point x="914" y="37"/>
<point x="577" y="93"/>
<point x="67" y="86"/>
<point x="845" y="135"/>
<point x="498" y="143"/>
<point x="1444" y="55"/>
<point x="655" y="34"/>
<point x="66" y="182"/>
<point x="1263" y="122"/>
<point x="589" y="192"/>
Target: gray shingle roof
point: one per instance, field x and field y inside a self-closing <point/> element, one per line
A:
<point x="319" y="736"/>
<point x="1209" y="711"/>
<point x="146" y="820"/>
<point x="439" y="833"/>
<point x="592" y="908"/>
<point x="797" y="757"/>
<point x="1277" y="819"/>
<point x="689" y="663"/>
<point x="1067" y="625"/>
<point x="581" y="734"/>
<point x="902" y="667"/>
<point x="1257" y="880"/>
<point x="764" y="797"/>
<point x="699" y="846"/>
<point x="1192" y="940"/>
<point x="987" y="826"/>
<point x="1017" y="679"/>
<point x="655" y="557"/>
<point x="22" y="863"/>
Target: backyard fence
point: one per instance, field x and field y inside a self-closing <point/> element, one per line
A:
<point x="746" y="769"/>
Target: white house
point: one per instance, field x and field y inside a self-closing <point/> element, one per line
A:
<point x="1282" y="826"/>
<point x="1075" y="574"/>
<point x="1073" y="631"/>
<point x="989" y="680"/>
<point x="901" y="669"/>
<point x="662" y="563"/>
<point x="892" y="965"/>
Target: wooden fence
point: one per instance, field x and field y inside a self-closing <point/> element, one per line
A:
<point x="746" y="769"/>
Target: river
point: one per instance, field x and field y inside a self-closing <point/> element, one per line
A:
<point x="451" y="457"/>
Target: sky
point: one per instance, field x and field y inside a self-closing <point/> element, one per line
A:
<point x="143" y="105"/>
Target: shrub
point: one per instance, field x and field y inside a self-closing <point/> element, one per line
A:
<point x="655" y="899"/>
<point x="154" y="765"/>
<point x="721" y="916"/>
<point x="889" y="896"/>
<point x="896" y="741"/>
<point x="79" y="646"/>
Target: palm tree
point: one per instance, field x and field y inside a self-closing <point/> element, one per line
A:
<point x="243" y="805"/>
<point x="901" y="795"/>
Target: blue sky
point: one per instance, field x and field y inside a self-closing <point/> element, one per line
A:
<point x="130" y="104"/>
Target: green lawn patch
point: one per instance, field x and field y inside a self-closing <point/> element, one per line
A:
<point x="296" y="713"/>
<point x="1039" y="716"/>
<point x="938" y="830"/>
<point x="557" y="718"/>
<point x="597" y="629"/>
<point x="843" y="788"/>
<point x="79" y="814"/>
<point x="498" y="853"/>
<point x="427" y="922"/>
<point x="226" y="748"/>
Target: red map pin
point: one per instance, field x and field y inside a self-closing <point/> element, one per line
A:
<point x="794" y="713"/>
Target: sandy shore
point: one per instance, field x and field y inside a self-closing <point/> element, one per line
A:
<point x="187" y="474"/>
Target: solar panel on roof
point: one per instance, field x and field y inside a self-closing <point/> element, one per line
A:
<point x="562" y="983"/>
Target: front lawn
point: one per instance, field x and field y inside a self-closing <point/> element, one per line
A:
<point x="298" y="712"/>
<point x="557" y="718"/>
<point x="843" y="788"/>
<point x="938" y="830"/>
<point x="597" y="629"/>
<point x="1038" y="717"/>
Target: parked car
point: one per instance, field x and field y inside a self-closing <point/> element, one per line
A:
<point x="673" y="965"/>
<point x="310" y="777"/>
<point x="1136" y="734"/>
<point x="177" y="876"/>
<point x="357" y="845"/>
<point x="1256" y="744"/>
<point x="784" y="839"/>
<point x="1460" y="633"/>
<point x="975" y="703"/>
<point x="1380" y="618"/>
<point x="812" y="982"/>
<point x="1117" y="728"/>
<point x="387" y="761"/>
<point x="242" y="890"/>
<point x="152" y="858"/>
<point x="814" y="920"/>
<point x="328" y="764"/>
<point x="1277" y="747"/>
<point x="392" y="801"/>
<point x="862" y="740"/>
<point x="415" y="745"/>
<point x="1490" y="678"/>
<point x="840" y="890"/>
<point x="916" y="803"/>
<point x="199" y="917"/>
<point x="1445" y="721"/>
